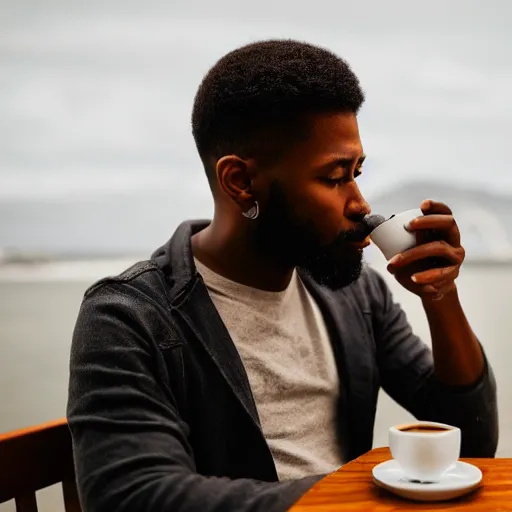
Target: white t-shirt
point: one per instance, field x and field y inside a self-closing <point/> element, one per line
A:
<point x="284" y="345"/>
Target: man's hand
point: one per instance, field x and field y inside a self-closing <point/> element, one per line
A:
<point x="429" y="270"/>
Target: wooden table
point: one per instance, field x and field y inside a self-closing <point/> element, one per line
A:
<point x="352" y="488"/>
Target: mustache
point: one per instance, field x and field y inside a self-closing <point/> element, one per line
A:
<point x="363" y="229"/>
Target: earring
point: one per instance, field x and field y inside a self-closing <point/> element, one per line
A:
<point x="253" y="212"/>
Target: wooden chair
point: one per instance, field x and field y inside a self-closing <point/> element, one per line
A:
<point x="34" y="458"/>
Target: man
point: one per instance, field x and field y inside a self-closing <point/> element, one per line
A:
<point x="243" y="360"/>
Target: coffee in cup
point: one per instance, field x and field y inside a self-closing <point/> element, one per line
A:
<point x="424" y="429"/>
<point x="425" y="450"/>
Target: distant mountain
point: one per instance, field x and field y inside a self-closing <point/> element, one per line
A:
<point x="484" y="217"/>
<point x="105" y="226"/>
<point x="128" y="224"/>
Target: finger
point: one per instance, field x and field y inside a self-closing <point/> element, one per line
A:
<point x="434" y="221"/>
<point x="436" y="275"/>
<point x="429" y="206"/>
<point x="440" y="249"/>
<point x="442" y="223"/>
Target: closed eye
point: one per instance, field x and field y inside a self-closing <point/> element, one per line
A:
<point x="335" y="181"/>
<point x="342" y="179"/>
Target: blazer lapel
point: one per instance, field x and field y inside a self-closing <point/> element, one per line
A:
<point x="215" y="338"/>
<point x="349" y="337"/>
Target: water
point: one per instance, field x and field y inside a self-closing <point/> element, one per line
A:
<point x="37" y="318"/>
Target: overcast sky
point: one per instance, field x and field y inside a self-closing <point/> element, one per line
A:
<point x="95" y="96"/>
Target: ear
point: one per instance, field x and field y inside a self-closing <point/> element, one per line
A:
<point x="234" y="177"/>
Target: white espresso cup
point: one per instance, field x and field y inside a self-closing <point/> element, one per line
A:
<point x="392" y="237"/>
<point x="425" y="449"/>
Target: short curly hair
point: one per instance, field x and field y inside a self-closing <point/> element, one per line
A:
<point x="254" y="99"/>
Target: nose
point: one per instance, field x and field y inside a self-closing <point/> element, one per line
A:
<point x="357" y="206"/>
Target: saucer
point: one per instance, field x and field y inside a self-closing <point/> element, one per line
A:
<point x="461" y="479"/>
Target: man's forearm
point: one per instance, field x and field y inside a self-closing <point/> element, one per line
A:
<point x="458" y="358"/>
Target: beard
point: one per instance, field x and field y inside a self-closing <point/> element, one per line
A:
<point x="295" y="242"/>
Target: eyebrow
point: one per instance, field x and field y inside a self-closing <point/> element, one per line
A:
<point x="341" y="161"/>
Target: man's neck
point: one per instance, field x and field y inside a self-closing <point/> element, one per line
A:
<point x="228" y="251"/>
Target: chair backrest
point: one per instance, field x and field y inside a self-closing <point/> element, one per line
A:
<point x="34" y="458"/>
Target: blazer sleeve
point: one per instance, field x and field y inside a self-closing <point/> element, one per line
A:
<point x="407" y="374"/>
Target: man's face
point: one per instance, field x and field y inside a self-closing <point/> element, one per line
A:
<point x="312" y="214"/>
